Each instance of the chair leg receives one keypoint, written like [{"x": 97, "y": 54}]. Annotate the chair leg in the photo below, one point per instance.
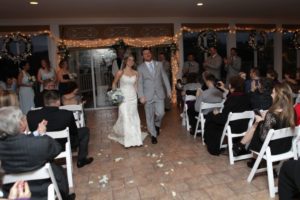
[
  {"x": 196, "y": 129},
  {"x": 202, "y": 131},
  {"x": 254, "y": 168},
  {"x": 231, "y": 158},
  {"x": 271, "y": 178}
]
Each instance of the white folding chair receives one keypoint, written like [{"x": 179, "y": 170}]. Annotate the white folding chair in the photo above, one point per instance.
[
  {"x": 77, "y": 112},
  {"x": 185, "y": 109},
  {"x": 227, "y": 132},
  {"x": 265, "y": 153},
  {"x": 44, "y": 172},
  {"x": 200, "y": 118},
  {"x": 67, "y": 154}
]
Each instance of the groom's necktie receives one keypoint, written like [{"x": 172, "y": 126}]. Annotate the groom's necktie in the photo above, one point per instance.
[{"x": 152, "y": 68}]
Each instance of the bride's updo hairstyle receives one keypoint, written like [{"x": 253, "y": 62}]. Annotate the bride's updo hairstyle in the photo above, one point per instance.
[{"x": 125, "y": 61}]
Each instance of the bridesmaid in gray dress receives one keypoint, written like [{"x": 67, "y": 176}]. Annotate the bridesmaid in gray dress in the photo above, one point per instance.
[{"x": 26, "y": 93}]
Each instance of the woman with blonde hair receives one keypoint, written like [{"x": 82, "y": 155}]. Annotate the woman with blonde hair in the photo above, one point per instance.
[{"x": 280, "y": 115}]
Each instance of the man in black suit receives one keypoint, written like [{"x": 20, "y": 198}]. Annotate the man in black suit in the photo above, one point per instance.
[
  {"x": 58, "y": 120},
  {"x": 289, "y": 180},
  {"x": 23, "y": 153},
  {"x": 38, "y": 97}
]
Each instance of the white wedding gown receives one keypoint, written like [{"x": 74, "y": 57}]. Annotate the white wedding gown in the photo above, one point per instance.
[{"x": 127, "y": 129}]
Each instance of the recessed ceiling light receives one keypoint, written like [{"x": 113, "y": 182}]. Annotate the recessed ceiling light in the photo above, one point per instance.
[
  {"x": 199, "y": 4},
  {"x": 34, "y": 3}
]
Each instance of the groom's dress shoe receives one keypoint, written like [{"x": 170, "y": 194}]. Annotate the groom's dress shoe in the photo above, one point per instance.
[
  {"x": 157, "y": 128},
  {"x": 84, "y": 162},
  {"x": 153, "y": 140}
]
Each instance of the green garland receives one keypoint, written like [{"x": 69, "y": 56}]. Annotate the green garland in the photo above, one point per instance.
[
  {"x": 63, "y": 51},
  {"x": 296, "y": 40},
  {"x": 18, "y": 38},
  {"x": 211, "y": 37},
  {"x": 260, "y": 43}
]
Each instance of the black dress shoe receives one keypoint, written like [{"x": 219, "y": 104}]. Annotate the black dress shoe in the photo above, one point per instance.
[
  {"x": 71, "y": 196},
  {"x": 84, "y": 162},
  {"x": 239, "y": 149},
  {"x": 153, "y": 140},
  {"x": 157, "y": 130}
]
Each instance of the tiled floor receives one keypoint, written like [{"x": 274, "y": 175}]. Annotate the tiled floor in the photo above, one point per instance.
[{"x": 178, "y": 167}]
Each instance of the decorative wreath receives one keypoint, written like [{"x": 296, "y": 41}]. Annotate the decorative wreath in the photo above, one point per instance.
[
  {"x": 18, "y": 38},
  {"x": 120, "y": 44},
  {"x": 173, "y": 47},
  {"x": 211, "y": 38},
  {"x": 63, "y": 51},
  {"x": 296, "y": 40},
  {"x": 259, "y": 42}
]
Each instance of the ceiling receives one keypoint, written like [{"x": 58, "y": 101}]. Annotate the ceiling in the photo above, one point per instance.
[{"x": 278, "y": 9}]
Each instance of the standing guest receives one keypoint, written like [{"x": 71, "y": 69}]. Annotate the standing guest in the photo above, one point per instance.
[
  {"x": 24, "y": 153},
  {"x": 167, "y": 67},
  {"x": 26, "y": 93},
  {"x": 8, "y": 98},
  {"x": 58, "y": 120},
  {"x": 237, "y": 101},
  {"x": 118, "y": 62},
  {"x": 63, "y": 76},
  {"x": 213, "y": 63},
  {"x": 45, "y": 73},
  {"x": 254, "y": 78},
  {"x": 190, "y": 66},
  {"x": 152, "y": 84},
  {"x": 280, "y": 115},
  {"x": 232, "y": 64}
]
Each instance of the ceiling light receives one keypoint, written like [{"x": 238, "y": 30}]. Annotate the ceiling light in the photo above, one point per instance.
[
  {"x": 34, "y": 2},
  {"x": 199, "y": 4}
]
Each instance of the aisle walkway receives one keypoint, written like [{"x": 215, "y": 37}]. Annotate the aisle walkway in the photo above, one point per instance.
[{"x": 178, "y": 167}]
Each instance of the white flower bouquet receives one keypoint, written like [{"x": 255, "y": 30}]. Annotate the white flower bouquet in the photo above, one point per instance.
[
  {"x": 32, "y": 79},
  {"x": 115, "y": 96}
]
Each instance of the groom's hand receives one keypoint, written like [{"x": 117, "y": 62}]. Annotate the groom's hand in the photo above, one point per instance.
[{"x": 143, "y": 100}]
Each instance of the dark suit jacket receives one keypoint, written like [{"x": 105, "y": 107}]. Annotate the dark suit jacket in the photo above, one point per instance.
[
  {"x": 23, "y": 153},
  {"x": 57, "y": 120}
]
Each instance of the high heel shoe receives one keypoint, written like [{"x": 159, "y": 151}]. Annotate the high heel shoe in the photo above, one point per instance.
[{"x": 239, "y": 149}]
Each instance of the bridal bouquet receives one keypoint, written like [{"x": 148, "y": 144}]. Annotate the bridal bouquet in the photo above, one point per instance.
[
  {"x": 32, "y": 79},
  {"x": 115, "y": 96}
]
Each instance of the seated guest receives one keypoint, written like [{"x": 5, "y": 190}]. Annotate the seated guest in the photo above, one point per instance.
[
  {"x": 210, "y": 95},
  {"x": 280, "y": 115},
  {"x": 23, "y": 153},
  {"x": 289, "y": 180},
  {"x": 237, "y": 101},
  {"x": 290, "y": 78},
  {"x": 273, "y": 75},
  {"x": 260, "y": 94},
  {"x": 9, "y": 84},
  {"x": 48, "y": 84},
  {"x": 190, "y": 90},
  {"x": 8, "y": 98},
  {"x": 58, "y": 120},
  {"x": 254, "y": 77},
  {"x": 71, "y": 96}
]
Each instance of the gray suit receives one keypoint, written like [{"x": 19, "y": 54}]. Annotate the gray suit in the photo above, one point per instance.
[
  {"x": 151, "y": 86},
  {"x": 213, "y": 65},
  {"x": 233, "y": 68}
]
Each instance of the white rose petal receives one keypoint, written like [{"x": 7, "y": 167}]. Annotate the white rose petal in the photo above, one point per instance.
[
  {"x": 179, "y": 163},
  {"x": 157, "y": 161},
  {"x": 160, "y": 165},
  {"x": 130, "y": 182},
  {"x": 118, "y": 159},
  {"x": 167, "y": 173},
  {"x": 91, "y": 182},
  {"x": 154, "y": 155},
  {"x": 172, "y": 170},
  {"x": 99, "y": 154},
  {"x": 162, "y": 184},
  {"x": 173, "y": 193}
]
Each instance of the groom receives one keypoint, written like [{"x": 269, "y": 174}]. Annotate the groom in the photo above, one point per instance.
[{"x": 151, "y": 86}]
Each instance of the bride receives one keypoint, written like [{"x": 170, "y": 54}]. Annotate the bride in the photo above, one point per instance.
[{"x": 127, "y": 129}]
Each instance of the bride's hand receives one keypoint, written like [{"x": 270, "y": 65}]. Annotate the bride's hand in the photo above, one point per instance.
[{"x": 143, "y": 100}]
